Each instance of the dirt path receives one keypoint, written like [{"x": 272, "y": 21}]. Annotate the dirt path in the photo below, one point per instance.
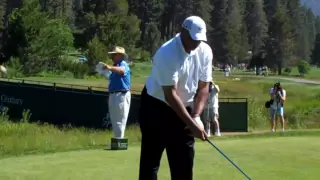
[{"x": 292, "y": 79}]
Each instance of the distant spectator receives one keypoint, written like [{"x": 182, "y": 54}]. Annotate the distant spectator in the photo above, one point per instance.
[
  {"x": 278, "y": 97},
  {"x": 211, "y": 112}
]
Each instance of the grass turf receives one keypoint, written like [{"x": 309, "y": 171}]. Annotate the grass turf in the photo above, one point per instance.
[{"x": 264, "y": 158}]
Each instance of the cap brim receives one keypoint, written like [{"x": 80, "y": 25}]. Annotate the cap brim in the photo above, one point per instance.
[
  {"x": 199, "y": 36},
  {"x": 124, "y": 54}
]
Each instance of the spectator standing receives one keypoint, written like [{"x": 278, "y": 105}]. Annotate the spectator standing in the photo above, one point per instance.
[
  {"x": 211, "y": 112},
  {"x": 119, "y": 93},
  {"x": 278, "y": 97}
]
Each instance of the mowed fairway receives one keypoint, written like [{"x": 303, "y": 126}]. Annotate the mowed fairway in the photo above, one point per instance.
[{"x": 283, "y": 158}]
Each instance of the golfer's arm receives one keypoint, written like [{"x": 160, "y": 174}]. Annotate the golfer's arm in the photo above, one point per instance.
[
  {"x": 175, "y": 103},
  {"x": 201, "y": 98}
]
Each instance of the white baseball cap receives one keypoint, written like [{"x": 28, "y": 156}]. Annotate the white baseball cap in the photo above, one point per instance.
[{"x": 196, "y": 27}]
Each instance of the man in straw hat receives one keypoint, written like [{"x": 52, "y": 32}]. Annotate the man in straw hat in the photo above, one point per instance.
[
  {"x": 169, "y": 113},
  {"x": 120, "y": 96}
]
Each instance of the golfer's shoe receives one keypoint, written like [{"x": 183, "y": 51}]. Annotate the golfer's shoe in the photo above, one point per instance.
[{"x": 217, "y": 134}]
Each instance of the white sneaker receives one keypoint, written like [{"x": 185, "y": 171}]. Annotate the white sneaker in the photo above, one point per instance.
[
  {"x": 209, "y": 135},
  {"x": 272, "y": 130},
  {"x": 217, "y": 134},
  {"x": 282, "y": 130}
]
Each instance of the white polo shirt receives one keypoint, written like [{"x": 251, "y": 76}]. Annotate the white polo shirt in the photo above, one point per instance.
[{"x": 173, "y": 66}]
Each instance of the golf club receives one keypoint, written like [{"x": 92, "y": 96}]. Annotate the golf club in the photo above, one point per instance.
[{"x": 210, "y": 142}]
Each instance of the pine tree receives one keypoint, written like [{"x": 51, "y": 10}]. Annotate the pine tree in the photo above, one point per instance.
[
  {"x": 257, "y": 25},
  {"x": 219, "y": 30},
  {"x": 279, "y": 44},
  {"x": 315, "y": 56},
  {"x": 149, "y": 12},
  {"x": 233, "y": 28},
  {"x": 303, "y": 45},
  {"x": 317, "y": 24},
  {"x": 3, "y": 8},
  {"x": 311, "y": 25}
]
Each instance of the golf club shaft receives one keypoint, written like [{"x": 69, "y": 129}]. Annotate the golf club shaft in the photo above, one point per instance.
[{"x": 208, "y": 140}]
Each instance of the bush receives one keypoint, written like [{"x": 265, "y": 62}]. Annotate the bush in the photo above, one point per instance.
[
  {"x": 145, "y": 56},
  {"x": 67, "y": 74},
  {"x": 96, "y": 52},
  {"x": 14, "y": 69},
  {"x": 288, "y": 70},
  {"x": 303, "y": 67},
  {"x": 80, "y": 70}
]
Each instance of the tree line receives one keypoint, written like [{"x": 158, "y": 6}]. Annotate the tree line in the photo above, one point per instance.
[{"x": 38, "y": 35}]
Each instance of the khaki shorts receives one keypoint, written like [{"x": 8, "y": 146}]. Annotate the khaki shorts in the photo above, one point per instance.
[{"x": 210, "y": 114}]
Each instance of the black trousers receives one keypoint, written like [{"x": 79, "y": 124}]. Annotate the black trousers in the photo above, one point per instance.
[{"x": 162, "y": 129}]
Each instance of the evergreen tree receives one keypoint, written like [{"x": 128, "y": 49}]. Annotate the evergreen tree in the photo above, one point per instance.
[
  {"x": 219, "y": 30},
  {"x": 3, "y": 8},
  {"x": 317, "y": 24},
  {"x": 257, "y": 25},
  {"x": 315, "y": 56},
  {"x": 279, "y": 44},
  {"x": 311, "y": 25},
  {"x": 233, "y": 28}
]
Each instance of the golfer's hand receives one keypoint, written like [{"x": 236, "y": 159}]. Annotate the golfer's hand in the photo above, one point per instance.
[{"x": 198, "y": 132}]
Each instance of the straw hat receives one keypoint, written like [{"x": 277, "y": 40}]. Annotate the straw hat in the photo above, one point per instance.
[{"x": 118, "y": 50}]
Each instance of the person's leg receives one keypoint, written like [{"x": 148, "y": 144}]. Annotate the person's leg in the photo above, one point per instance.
[
  {"x": 118, "y": 117},
  {"x": 113, "y": 114},
  {"x": 272, "y": 119},
  {"x": 124, "y": 108},
  {"x": 281, "y": 118},
  {"x": 180, "y": 149},
  {"x": 152, "y": 144},
  {"x": 216, "y": 122},
  {"x": 206, "y": 120},
  {"x": 150, "y": 155}
]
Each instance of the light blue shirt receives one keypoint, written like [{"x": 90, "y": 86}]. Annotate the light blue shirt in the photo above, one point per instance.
[{"x": 120, "y": 82}]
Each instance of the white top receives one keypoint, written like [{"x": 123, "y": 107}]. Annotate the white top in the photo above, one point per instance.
[
  {"x": 213, "y": 101},
  {"x": 275, "y": 105},
  {"x": 173, "y": 66}
]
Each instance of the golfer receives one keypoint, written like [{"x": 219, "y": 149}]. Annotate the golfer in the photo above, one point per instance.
[
  {"x": 119, "y": 89},
  {"x": 181, "y": 67},
  {"x": 211, "y": 111}
]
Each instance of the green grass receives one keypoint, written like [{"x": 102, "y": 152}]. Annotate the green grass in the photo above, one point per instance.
[
  {"x": 314, "y": 73},
  {"x": 31, "y": 151},
  {"x": 283, "y": 158}
]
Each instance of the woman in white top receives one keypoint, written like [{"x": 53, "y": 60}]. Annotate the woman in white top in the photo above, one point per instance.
[{"x": 278, "y": 96}]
